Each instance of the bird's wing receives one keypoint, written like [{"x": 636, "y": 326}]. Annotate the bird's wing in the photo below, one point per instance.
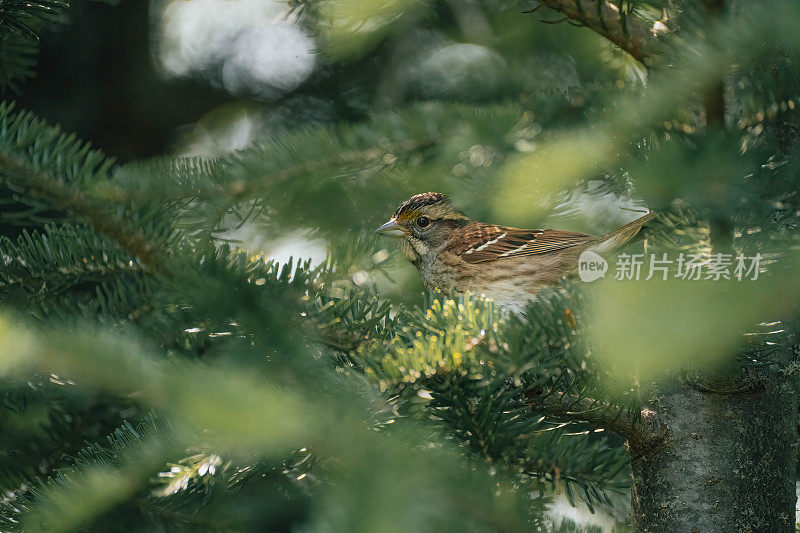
[{"x": 485, "y": 242}]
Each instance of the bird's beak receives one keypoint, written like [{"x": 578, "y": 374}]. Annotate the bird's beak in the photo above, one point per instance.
[{"x": 391, "y": 229}]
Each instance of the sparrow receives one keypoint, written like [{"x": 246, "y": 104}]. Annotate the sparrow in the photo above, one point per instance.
[{"x": 509, "y": 265}]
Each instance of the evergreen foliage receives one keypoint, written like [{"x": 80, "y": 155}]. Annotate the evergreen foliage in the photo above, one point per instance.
[
  {"x": 157, "y": 374},
  {"x": 20, "y": 23}
]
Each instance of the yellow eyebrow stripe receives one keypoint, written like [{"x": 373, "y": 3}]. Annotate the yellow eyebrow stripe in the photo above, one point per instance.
[{"x": 407, "y": 215}]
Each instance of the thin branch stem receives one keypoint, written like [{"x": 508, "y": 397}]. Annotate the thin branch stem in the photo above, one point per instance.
[
  {"x": 43, "y": 185},
  {"x": 607, "y": 20},
  {"x": 598, "y": 414}
]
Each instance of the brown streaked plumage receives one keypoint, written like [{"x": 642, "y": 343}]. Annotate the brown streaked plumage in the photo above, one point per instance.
[{"x": 510, "y": 265}]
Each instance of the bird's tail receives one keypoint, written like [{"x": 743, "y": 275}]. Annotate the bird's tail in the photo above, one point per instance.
[{"x": 624, "y": 235}]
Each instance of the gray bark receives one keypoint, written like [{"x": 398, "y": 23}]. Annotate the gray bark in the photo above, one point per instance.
[{"x": 723, "y": 458}]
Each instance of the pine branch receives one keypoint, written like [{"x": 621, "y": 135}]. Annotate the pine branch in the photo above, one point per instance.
[
  {"x": 38, "y": 450},
  {"x": 219, "y": 403},
  {"x": 598, "y": 414},
  {"x": 21, "y": 15},
  {"x": 67, "y": 269},
  {"x": 44, "y": 186},
  {"x": 342, "y": 162},
  {"x": 52, "y": 166},
  {"x": 20, "y": 22},
  {"x": 606, "y": 19},
  {"x": 105, "y": 475},
  {"x": 584, "y": 464}
]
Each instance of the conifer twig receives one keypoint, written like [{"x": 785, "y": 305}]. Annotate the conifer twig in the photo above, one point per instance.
[
  {"x": 46, "y": 187},
  {"x": 639, "y": 428},
  {"x": 605, "y": 19}
]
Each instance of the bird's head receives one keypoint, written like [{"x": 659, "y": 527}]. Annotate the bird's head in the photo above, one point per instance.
[{"x": 425, "y": 221}]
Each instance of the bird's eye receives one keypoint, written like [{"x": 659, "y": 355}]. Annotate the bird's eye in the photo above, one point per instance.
[{"x": 423, "y": 221}]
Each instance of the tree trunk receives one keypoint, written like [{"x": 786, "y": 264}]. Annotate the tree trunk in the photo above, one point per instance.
[{"x": 724, "y": 460}]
